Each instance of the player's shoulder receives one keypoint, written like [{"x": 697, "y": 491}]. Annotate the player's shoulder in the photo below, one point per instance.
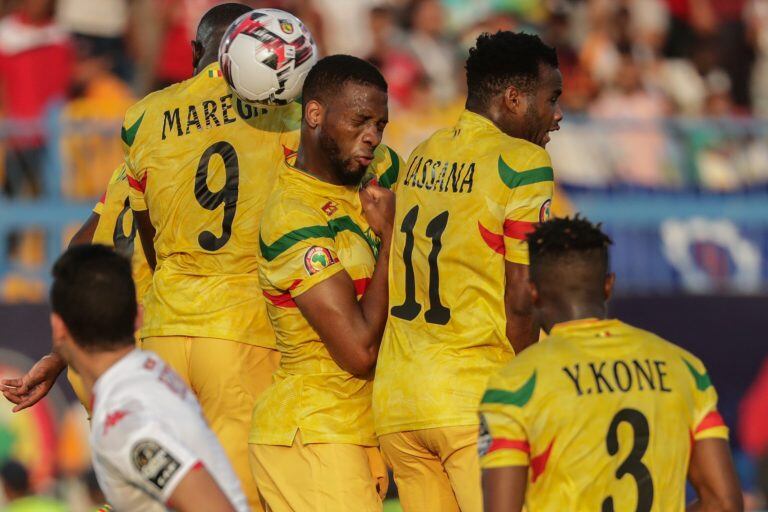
[
  {"x": 290, "y": 209},
  {"x": 520, "y": 162},
  {"x": 523, "y": 369}
]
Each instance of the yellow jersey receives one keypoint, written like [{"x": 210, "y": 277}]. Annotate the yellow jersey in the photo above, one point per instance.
[
  {"x": 465, "y": 201},
  {"x": 203, "y": 163},
  {"x": 310, "y": 231},
  {"x": 117, "y": 229},
  {"x": 604, "y": 415}
]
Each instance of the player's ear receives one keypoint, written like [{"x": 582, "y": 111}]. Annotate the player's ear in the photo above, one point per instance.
[
  {"x": 197, "y": 53},
  {"x": 610, "y": 280},
  {"x": 513, "y": 98},
  {"x": 313, "y": 113},
  {"x": 59, "y": 331}
]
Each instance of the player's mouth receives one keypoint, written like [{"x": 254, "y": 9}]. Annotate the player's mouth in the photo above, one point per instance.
[{"x": 365, "y": 161}]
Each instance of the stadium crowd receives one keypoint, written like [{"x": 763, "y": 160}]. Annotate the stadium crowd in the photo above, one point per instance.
[{"x": 666, "y": 93}]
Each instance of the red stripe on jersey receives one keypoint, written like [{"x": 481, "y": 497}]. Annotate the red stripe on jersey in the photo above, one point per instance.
[
  {"x": 711, "y": 420},
  {"x": 491, "y": 239},
  {"x": 198, "y": 465},
  {"x": 283, "y": 300},
  {"x": 138, "y": 185},
  {"x": 103, "y": 197},
  {"x": 509, "y": 444},
  {"x": 518, "y": 229},
  {"x": 539, "y": 462},
  {"x": 361, "y": 285}
]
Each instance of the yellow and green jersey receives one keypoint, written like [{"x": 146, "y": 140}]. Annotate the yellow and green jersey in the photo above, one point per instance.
[
  {"x": 603, "y": 414},
  {"x": 465, "y": 202},
  {"x": 117, "y": 229},
  {"x": 310, "y": 231}
]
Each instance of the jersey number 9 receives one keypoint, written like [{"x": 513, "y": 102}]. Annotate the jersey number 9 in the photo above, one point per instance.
[{"x": 227, "y": 195}]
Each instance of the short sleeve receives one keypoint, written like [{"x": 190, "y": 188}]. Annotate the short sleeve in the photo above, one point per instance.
[
  {"x": 707, "y": 421},
  {"x": 298, "y": 259},
  {"x": 504, "y": 439},
  {"x": 386, "y": 166},
  {"x": 529, "y": 202},
  {"x": 137, "y": 176},
  {"x": 98, "y": 208},
  {"x": 117, "y": 175},
  {"x": 144, "y": 453}
]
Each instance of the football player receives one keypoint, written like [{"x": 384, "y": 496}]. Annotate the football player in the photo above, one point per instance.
[
  {"x": 201, "y": 164},
  {"x": 324, "y": 252},
  {"x": 601, "y": 415},
  {"x": 151, "y": 447},
  {"x": 459, "y": 306}
]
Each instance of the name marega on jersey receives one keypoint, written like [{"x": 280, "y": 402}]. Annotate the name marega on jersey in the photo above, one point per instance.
[
  {"x": 440, "y": 175},
  {"x": 208, "y": 114}
]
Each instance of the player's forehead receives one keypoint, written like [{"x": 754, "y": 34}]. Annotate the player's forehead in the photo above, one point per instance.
[
  {"x": 361, "y": 99},
  {"x": 550, "y": 78}
]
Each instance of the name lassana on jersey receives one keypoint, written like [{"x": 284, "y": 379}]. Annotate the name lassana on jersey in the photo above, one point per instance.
[
  {"x": 440, "y": 175},
  {"x": 208, "y": 114}
]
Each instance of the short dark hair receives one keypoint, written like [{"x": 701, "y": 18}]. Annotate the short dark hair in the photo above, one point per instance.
[
  {"x": 329, "y": 75},
  {"x": 569, "y": 254},
  {"x": 216, "y": 20},
  {"x": 15, "y": 477},
  {"x": 94, "y": 294},
  {"x": 503, "y": 59}
]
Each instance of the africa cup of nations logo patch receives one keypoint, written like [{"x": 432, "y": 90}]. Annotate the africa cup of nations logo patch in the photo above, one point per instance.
[
  {"x": 545, "y": 211},
  {"x": 317, "y": 258}
]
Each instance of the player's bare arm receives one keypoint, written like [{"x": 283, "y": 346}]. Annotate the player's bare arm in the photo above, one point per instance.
[
  {"x": 352, "y": 330},
  {"x": 84, "y": 235},
  {"x": 504, "y": 488},
  {"x": 522, "y": 330},
  {"x": 147, "y": 235},
  {"x": 199, "y": 492},
  {"x": 712, "y": 474},
  {"x": 27, "y": 390}
]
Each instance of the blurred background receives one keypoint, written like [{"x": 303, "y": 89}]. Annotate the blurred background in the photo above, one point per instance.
[{"x": 665, "y": 140}]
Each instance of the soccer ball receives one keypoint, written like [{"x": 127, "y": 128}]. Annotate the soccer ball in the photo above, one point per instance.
[{"x": 265, "y": 56}]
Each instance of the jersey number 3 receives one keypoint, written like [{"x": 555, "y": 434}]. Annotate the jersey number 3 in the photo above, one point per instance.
[
  {"x": 633, "y": 464},
  {"x": 227, "y": 195},
  {"x": 409, "y": 309}
]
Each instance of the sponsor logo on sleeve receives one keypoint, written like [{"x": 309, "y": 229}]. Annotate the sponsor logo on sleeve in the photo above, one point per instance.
[
  {"x": 154, "y": 463},
  {"x": 318, "y": 258}
]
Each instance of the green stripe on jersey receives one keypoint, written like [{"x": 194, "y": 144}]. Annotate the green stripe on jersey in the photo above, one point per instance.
[
  {"x": 330, "y": 230},
  {"x": 519, "y": 397},
  {"x": 513, "y": 178},
  {"x": 390, "y": 175},
  {"x": 702, "y": 379}
]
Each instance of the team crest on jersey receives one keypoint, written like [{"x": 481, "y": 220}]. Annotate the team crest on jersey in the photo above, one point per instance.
[
  {"x": 484, "y": 439},
  {"x": 154, "y": 463},
  {"x": 286, "y": 26},
  {"x": 545, "y": 211},
  {"x": 317, "y": 258},
  {"x": 330, "y": 208}
]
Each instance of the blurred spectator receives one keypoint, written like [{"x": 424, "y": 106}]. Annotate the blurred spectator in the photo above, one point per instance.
[
  {"x": 102, "y": 24},
  {"x": 344, "y": 27},
  {"x": 98, "y": 99},
  {"x": 402, "y": 70},
  {"x": 18, "y": 492},
  {"x": 35, "y": 68},
  {"x": 635, "y": 136},
  {"x": 438, "y": 55}
]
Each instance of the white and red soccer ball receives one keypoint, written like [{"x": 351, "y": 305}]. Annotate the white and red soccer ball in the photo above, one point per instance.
[{"x": 265, "y": 56}]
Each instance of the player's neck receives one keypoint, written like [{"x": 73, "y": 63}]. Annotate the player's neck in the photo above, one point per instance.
[
  {"x": 495, "y": 115},
  {"x": 312, "y": 160},
  {"x": 572, "y": 312},
  {"x": 91, "y": 366},
  {"x": 206, "y": 60}
]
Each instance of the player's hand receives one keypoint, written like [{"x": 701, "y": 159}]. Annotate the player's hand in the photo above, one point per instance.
[
  {"x": 379, "y": 209},
  {"x": 27, "y": 390}
]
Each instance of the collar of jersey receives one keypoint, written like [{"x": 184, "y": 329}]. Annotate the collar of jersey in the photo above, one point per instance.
[
  {"x": 471, "y": 118},
  {"x": 213, "y": 66},
  {"x": 317, "y": 185},
  {"x": 584, "y": 324},
  {"x": 103, "y": 383}
]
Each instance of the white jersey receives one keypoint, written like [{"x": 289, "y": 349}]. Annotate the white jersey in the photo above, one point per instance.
[{"x": 148, "y": 432}]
